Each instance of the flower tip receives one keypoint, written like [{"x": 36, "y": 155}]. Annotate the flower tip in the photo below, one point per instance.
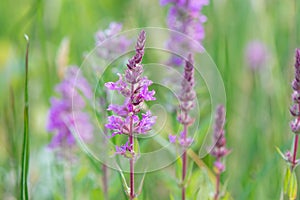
[
  {"x": 297, "y": 56},
  {"x": 109, "y": 85},
  {"x": 297, "y": 51},
  {"x": 142, "y": 35},
  {"x": 190, "y": 58}
]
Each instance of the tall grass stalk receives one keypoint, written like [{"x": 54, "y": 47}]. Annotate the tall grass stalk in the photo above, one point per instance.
[{"x": 25, "y": 147}]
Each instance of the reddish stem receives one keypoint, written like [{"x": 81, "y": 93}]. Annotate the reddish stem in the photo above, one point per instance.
[
  {"x": 295, "y": 150},
  {"x": 184, "y": 164},
  {"x": 131, "y": 143},
  {"x": 296, "y": 141}
]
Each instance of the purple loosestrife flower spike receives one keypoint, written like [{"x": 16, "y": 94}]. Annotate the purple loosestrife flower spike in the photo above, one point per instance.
[
  {"x": 187, "y": 96},
  {"x": 295, "y": 124},
  {"x": 134, "y": 87},
  {"x": 219, "y": 149},
  {"x": 294, "y": 110},
  {"x": 67, "y": 112},
  {"x": 185, "y": 16}
]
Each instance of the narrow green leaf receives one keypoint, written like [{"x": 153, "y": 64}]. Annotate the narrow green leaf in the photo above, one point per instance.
[
  {"x": 124, "y": 183},
  {"x": 189, "y": 172},
  {"x": 25, "y": 147},
  {"x": 286, "y": 180},
  {"x": 206, "y": 187},
  {"x": 280, "y": 153},
  {"x": 293, "y": 187},
  {"x": 290, "y": 184},
  {"x": 141, "y": 184}
]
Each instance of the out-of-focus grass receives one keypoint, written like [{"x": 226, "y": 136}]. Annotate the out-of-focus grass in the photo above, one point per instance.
[{"x": 257, "y": 102}]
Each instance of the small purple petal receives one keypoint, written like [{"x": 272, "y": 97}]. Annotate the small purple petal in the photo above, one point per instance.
[
  {"x": 220, "y": 167},
  {"x": 172, "y": 138},
  {"x": 146, "y": 123}
]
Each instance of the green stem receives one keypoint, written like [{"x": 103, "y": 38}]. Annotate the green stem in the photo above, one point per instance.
[{"x": 25, "y": 147}]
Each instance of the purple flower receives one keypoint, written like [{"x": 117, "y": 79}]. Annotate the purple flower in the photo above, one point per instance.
[
  {"x": 135, "y": 88},
  {"x": 219, "y": 166},
  {"x": 182, "y": 140},
  {"x": 187, "y": 94},
  {"x": 186, "y": 97},
  {"x": 121, "y": 110},
  {"x": 256, "y": 54},
  {"x": 185, "y": 141},
  {"x": 295, "y": 124},
  {"x": 185, "y": 16},
  {"x": 146, "y": 123},
  {"x": 119, "y": 85},
  {"x": 111, "y": 48},
  {"x": 66, "y": 114},
  {"x": 124, "y": 150},
  {"x": 289, "y": 157},
  {"x": 172, "y": 138},
  {"x": 116, "y": 123},
  {"x": 219, "y": 149}
]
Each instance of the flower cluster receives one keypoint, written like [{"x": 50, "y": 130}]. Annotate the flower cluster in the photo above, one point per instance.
[
  {"x": 108, "y": 50},
  {"x": 186, "y": 97},
  {"x": 185, "y": 17},
  {"x": 134, "y": 87},
  {"x": 295, "y": 109},
  {"x": 67, "y": 114},
  {"x": 219, "y": 150}
]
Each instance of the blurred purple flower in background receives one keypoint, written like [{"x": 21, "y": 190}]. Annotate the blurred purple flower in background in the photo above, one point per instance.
[
  {"x": 256, "y": 54},
  {"x": 111, "y": 48},
  {"x": 219, "y": 149},
  {"x": 185, "y": 17},
  {"x": 67, "y": 114},
  {"x": 187, "y": 96}
]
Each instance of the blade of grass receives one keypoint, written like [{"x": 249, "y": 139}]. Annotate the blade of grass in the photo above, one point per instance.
[
  {"x": 25, "y": 147},
  {"x": 13, "y": 140}
]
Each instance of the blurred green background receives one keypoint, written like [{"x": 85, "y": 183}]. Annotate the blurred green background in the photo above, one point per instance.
[{"x": 257, "y": 100}]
